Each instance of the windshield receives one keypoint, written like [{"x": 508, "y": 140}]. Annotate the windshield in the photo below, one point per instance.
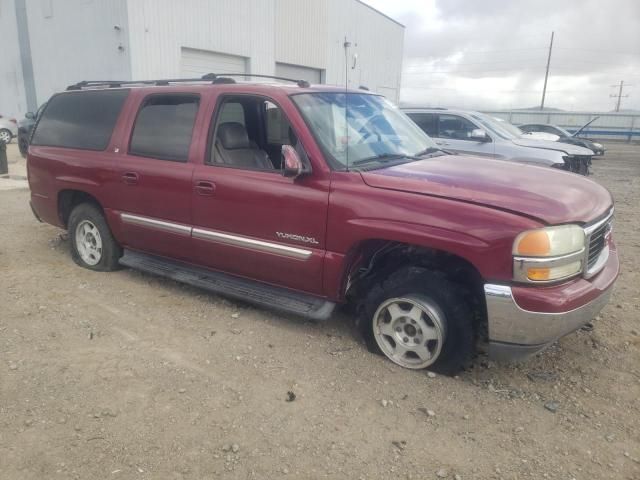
[
  {"x": 370, "y": 131},
  {"x": 497, "y": 127},
  {"x": 564, "y": 132},
  {"x": 509, "y": 127}
]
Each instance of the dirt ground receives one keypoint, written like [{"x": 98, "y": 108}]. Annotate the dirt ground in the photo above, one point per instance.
[{"x": 127, "y": 376}]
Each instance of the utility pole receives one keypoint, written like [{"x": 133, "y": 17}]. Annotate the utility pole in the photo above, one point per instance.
[
  {"x": 619, "y": 96},
  {"x": 546, "y": 74}
]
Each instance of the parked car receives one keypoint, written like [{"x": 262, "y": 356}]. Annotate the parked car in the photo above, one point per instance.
[
  {"x": 565, "y": 136},
  {"x": 475, "y": 133},
  {"x": 520, "y": 133},
  {"x": 8, "y": 129},
  {"x": 25, "y": 126},
  {"x": 299, "y": 198}
]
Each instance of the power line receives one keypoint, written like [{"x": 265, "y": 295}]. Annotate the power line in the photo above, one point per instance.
[{"x": 619, "y": 96}]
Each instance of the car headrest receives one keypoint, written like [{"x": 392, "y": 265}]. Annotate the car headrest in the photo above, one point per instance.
[{"x": 232, "y": 135}]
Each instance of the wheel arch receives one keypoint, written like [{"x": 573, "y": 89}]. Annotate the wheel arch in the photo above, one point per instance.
[
  {"x": 68, "y": 199},
  {"x": 372, "y": 258}
]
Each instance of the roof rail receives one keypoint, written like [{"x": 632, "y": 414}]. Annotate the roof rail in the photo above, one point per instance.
[{"x": 209, "y": 77}]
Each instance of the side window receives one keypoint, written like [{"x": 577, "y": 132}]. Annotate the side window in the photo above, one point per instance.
[
  {"x": 277, "y": 125},
  {"x": 426, "y": 121},
  {"x": 454, "y": 127},
  {"x": 164, "y": 126},
  {"x": 527, "y": 128},
  {"x": 249, "y": 132},
  {"x": 232, "y": 112},
  {"x": 82, "y": 120}
]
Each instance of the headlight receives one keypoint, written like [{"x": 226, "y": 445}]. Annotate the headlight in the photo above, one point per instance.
[
  {"x": 597, "y": 145},
  {"x": 548, "y": 254}
]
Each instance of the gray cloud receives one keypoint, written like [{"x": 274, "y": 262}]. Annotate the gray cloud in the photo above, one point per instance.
[{"x": 493, "y": 53}]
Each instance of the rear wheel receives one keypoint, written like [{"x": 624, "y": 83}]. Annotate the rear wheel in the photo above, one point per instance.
[
  {"x": 419, "y": 319},
  {"x": 92, "y": 244}
]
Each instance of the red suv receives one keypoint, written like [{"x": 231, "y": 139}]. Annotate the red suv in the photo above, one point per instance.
[{"x": 300, "y": 198}]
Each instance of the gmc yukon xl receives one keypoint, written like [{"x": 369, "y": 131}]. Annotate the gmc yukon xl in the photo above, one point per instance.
[{"x": 299, "y": 198}]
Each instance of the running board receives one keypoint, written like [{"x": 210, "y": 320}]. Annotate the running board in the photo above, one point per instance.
[{"x": 269, "y": 296}]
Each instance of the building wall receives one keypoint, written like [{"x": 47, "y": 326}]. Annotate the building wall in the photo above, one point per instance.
[
  {"x": 12, "y": 94},
  {"x": 75, "y": 40},
  {"x": 159, "y": 28},
  {"x": 378, "y": 42},
  {"x": 306, "y": 33}
]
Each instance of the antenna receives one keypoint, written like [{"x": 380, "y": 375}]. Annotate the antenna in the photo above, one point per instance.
[{"x": 347, "y": 44}]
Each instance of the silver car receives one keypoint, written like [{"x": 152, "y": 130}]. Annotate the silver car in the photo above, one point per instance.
[
  {"x": 8, "y": 129},
  {"x": 478, "y": 134}
]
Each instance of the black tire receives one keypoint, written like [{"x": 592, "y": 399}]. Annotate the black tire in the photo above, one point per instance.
[
  {"x": 23, "y": 146},
  {"x": 450, "y": 298},
  {"x": 110, "y": 251},
  {"x": 6, "y": 133}
]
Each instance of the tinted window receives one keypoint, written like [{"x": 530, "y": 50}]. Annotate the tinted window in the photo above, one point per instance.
[
  {"x": 426, "y": 121},
  {"x": 454, "y": 127},
  {"x": 83, "y": 120},
  {"x": 164, "y": 127}
]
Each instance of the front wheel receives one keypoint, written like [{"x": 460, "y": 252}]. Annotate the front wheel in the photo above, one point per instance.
[
  {"x": 92, "y": 244},
  {"x": 419, "y": 319},
  {"x": 5, "y": 136}
]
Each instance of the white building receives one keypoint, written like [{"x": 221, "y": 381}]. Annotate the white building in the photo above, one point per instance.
[{"x": 50, "y": 44}]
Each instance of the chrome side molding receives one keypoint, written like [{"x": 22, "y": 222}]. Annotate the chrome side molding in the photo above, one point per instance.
[
  {"x": 217, "y": 237},
  {"x": 251, "y": 243},
  {"x": 157, "y": 224}
]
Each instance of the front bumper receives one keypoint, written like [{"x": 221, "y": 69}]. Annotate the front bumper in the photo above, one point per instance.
[{"x": 524, "y": 320}]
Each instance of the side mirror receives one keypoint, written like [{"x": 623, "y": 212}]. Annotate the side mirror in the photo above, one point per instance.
[
  {"x": 30, "y": 115},
  {"x": 292, "y": 165},
  {"x": 479, "y": 135}
]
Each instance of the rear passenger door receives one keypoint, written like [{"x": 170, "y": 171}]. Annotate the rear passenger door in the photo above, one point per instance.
[{"x": 151, "y": 184}]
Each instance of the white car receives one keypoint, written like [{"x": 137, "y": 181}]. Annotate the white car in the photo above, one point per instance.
[
  {"x": 8, "y": 129},
  {"x": 550, "y": 137}
]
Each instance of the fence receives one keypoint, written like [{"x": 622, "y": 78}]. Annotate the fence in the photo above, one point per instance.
[{"x": 616, "y": 126}]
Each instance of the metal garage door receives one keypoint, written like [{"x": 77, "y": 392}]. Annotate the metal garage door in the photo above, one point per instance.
[
  {"x": 311, "y": 75},
  {"x": 195, "y": 63}
]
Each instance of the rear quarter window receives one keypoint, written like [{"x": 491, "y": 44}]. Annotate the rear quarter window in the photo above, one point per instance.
[{"x": 82, "y": 120}]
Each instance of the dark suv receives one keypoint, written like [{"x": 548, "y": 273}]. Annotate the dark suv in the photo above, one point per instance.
[{"x": 299, "y": 198}]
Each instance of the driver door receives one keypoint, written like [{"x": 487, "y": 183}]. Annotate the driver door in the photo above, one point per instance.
[
  {"x": 453, "y": 135},
  {"x": 253, "y": 221}
]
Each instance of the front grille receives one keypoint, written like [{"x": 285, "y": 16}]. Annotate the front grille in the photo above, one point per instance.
[
  {"x": 596, "y": 244},
  {"x": 597, "y": 240},
  {"x": 578, "y": 164}
]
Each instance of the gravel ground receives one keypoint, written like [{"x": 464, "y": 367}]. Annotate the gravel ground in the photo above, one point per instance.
[{"x": 123, "y": 375}]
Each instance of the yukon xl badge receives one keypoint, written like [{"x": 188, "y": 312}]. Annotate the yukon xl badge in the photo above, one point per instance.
[{"x": 297, "y": 238}]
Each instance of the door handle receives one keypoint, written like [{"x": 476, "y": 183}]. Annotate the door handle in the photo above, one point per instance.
[
  {"x": 442, "y": 143},
  {"x": 130, "y": 178},
  {"x": 203, "y": 187}
]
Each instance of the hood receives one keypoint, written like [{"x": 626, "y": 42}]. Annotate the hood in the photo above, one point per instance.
[
  {"x": 547, "y": 145},
  {"x": 541, "y": 136},
  {"x": 546, "y": 194},
  {"x": 577, "y": 132}
]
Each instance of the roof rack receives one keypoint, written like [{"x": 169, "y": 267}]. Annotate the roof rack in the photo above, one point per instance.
[{"x": 209, "y": 77}]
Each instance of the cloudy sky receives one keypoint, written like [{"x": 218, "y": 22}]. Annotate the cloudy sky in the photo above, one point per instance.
[{"x": 493, "y": 53}]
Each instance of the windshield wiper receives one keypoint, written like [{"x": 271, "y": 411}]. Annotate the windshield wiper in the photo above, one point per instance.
[
  {"x": 382, "y": 157},
  {"x": 385, "y": 157},
  {"x": 428, "y": 151}
]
